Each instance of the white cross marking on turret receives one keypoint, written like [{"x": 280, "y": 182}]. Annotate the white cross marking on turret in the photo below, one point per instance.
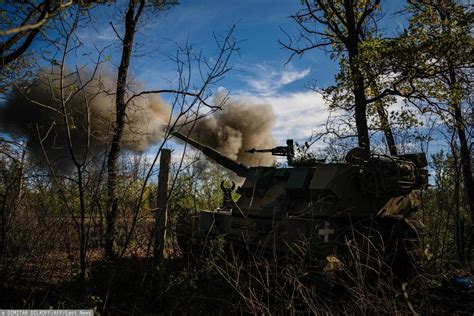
[{"x": 326, "y": 231}]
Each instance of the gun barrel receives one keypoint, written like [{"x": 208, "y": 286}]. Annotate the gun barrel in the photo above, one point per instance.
[
  {"x": 237, "y": 167},
  {"x": 253, "y": 151}
]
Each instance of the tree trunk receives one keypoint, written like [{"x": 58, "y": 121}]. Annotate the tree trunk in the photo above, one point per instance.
[
  {"x": 82, "y": 231},
  {"x": 161, "y": 215},
  {"x": 465, "y": 160},
  {"x": 387, "y": 129},
  {"x": 463, "y": 150},
  {"x": 131, "y": 19},
  {"x": 361, "y": 119},
  {"x": 357, "y": 78}
]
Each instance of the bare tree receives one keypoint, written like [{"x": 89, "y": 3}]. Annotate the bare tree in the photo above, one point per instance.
[
  {"x": 65, "y": 95},
  {"x": 191, "y": 99},
  {"x": 12, "y": 165},
  {"x": 21, "y": 24}
]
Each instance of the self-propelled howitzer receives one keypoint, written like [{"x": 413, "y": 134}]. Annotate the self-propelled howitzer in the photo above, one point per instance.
[{"x": 316, "y": 204}]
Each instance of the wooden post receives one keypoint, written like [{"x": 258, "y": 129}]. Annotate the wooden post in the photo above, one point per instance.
[{"x": 161, "y": 214}]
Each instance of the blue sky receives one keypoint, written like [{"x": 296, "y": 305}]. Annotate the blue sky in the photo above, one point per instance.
[{"x": 260, "y": 69}]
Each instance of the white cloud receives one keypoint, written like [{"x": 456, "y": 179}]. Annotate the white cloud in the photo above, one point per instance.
[
  {"x": 290, "y": 76},
  {"x": 101, "y": 34},
  {"x": 267, "y": 81},
  {"x": 298, "y": 113}
]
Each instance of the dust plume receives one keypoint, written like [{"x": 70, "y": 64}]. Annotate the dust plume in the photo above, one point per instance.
[
  {"x": 241, "y": 125},
  {"x": 35, "y": 111}
]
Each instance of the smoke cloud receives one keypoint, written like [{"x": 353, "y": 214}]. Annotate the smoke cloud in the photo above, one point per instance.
[
  {"x": 35, "y": 111},
  {"x": 241, "y": 125}
]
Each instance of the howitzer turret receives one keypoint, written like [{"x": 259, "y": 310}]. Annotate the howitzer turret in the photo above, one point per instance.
[
  {"x": 318, "y": 204},
  {"x": 239, "y": 168}
]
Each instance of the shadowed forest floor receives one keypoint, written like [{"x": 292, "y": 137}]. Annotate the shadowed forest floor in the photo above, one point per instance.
[{"x": 127, "y": 287}]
